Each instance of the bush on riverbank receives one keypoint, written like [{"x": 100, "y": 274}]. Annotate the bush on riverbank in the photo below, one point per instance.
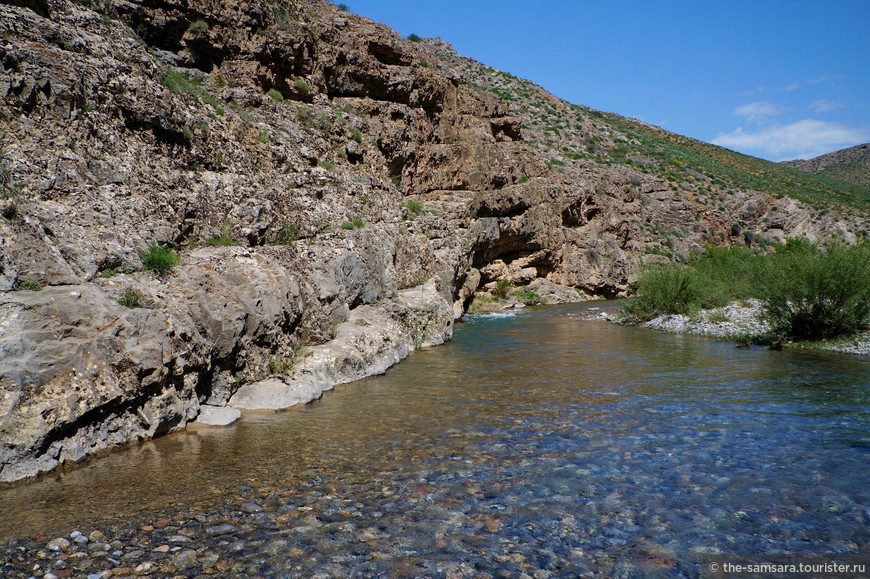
[
  {"x": 807, "y": 292},
  {"x": 811, "y": 293},
  {"x": 679, "y": 289}
]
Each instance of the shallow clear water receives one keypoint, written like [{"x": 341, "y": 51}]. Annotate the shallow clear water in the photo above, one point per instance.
[{"x": 534, "y": 439}]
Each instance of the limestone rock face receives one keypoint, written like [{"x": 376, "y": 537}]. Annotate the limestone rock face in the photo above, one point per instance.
[
  {"x": 336, "y": 195},
  {"x": 370, "y": 341}
]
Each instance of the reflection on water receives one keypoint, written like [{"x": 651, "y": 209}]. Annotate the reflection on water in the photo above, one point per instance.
[{"x": 579, "y": 435}]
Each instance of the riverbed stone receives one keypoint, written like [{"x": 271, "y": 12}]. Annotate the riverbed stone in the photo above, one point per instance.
[
  {"x": 185, "y": 559},
  {"x": 59, "y": 544}
]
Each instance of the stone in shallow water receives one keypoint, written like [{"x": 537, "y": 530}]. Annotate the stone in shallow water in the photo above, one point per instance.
[
  {"x": 220, "y": 529},
  {"x": 274, "y": 394},
  {"x": 252, "y": 507},
  {"x": 59, "y": 544},
  {"x": 217, "y": 415},
  {"x": 185, "y": 559}
]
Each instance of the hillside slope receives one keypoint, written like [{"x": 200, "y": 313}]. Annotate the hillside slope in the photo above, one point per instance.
[
  {"x": 329, "y": 187},
  {"x": 851, "y": 165}
]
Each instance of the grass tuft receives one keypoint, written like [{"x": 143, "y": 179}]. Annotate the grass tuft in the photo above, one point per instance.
[{"x": 159, "y": 259}]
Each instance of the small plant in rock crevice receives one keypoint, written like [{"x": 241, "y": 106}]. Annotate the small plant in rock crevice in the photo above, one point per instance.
[
  {"x": 131, "y": 299},
  {"x": 528, "y": 297},
  {"x": 301, "y": 87},
  {"x": 355, "y": 223},
  {"x": 414, "y": 206},
  {"x": 198, "y": 27},
  {"x": 159, "y": 259},
  {"x": 29, "y": 285},
  {"x": 287, "y": 234},
  {"x": 223, "y": 240},
  {"x": 502, "y": 288}
]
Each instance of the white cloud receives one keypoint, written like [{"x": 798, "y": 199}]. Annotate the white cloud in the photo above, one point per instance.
[
  {"x": 758, "y": 111},
  {"x": 799, "y": 140},
  {"x": 825, "y": 106}
]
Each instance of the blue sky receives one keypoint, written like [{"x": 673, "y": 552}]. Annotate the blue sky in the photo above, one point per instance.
[{"x": 771, "y": 78}]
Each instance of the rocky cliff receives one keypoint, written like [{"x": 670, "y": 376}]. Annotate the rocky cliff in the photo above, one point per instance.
[{"x": 337, "y": 196}]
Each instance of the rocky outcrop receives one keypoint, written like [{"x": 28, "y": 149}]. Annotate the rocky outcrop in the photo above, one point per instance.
[
  {"x": 337, "y": 196},
  {"x": 368, "y": 343},
  {"x": 850, "y": 165}
]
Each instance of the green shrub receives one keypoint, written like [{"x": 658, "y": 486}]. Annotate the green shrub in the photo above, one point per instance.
[
  {"x": 414, "y": 38},
  {"x": 180, "y": 82},
  {"x": 288, "y": 234},
  {"x": 812, "y": 293},
  {"x": 734, "y": 272},
  {"x": 184, "y": 83},
  {"x": 275, "y": 95},
  {"x": 202, "y": 126},
  {"x": 355, "y": 223},
  {"x": 222, "y": 240},
  {"x": 502, "y": 288},
  {"x": 356, "y": 134},
  {"x": 29, "y": 285},
  {"x": 264, "y": 137},
  {"x": 198, "y": 27},
  {"x": 414, "y": 207},
  {"x": 528, "y": 297},
  {"x": 343, "y": 7},
  {"x": 130, "y": 299},
  {"x": 159, "y": 259},
  {"x": 677, "y": 289},
  {"x": 328, "y": 165},
  {"x": 301, "y": 86}
]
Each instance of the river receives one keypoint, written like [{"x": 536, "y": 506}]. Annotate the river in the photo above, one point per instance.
[{"x": 534, "y": 442}]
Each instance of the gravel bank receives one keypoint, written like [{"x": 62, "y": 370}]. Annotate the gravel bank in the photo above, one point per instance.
[{"x": 739, "y": 321}]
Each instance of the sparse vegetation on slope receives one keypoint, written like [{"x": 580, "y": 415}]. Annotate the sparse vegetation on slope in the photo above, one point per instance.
[
  {"x": 576, "y": 133},
  {"x": 850, "y": 165},
  {"x": 687, "y": 161}
]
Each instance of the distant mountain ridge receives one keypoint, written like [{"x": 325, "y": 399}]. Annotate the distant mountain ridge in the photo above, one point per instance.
[{"x": 851, "y": 165}]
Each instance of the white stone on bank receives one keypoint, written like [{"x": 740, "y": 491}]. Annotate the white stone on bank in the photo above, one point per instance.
[{"x": 217, "y": 416}]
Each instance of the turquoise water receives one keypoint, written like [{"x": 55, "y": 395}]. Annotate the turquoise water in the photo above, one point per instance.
[{"x": 535, "y": 440}]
